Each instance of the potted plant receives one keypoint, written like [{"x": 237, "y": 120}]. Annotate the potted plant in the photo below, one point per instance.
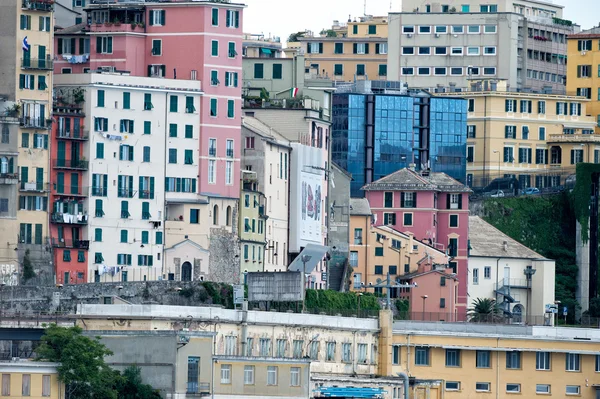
[
  {"x": 107, "y": 23},
  {"x": 141, "y": 24},
  {"x": 116, "y": 22},
  {"x": 14, "y": 110},
  {"x": 78, "y": 95},
  {"x": 133, "y": 26}
]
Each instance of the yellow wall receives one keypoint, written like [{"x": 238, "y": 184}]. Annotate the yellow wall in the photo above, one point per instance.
[
  {"x": 16, "y": 385},
  {"x": 490, "y": 118},
  {"x": 498, "y": 375},
  {"x": 381, "y": 28},
  {"x": 577, "y": 58}
]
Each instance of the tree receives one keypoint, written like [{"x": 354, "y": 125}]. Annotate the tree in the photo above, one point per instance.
[
  {"x": 83, "y": 369},
  {"x": 328, "y": 33},
  {"x": 295, "y": 36},
  {"x": 28, "y": 272},
  {"x": 594, "y": 309},
  {"x": 484, "y": 310}
]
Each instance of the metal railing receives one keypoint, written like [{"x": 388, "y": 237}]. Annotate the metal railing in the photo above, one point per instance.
[
  {"x": 37, "y": 63},
  {"x": 69, "y": 243},
  {"x": 511, "y": 283},
  {"x": 70, "y": 164},
  {"x": 38, "y": 5},
  {"x": 69, "y": 218},
  {"x": 72, "y": 135},
  {"x": 99, "y": 191},
  {"x": 33, "y": 186},
  {"x": 9, "y": 178},
  {"x": 70, "y": 191},
  {"x": 198, "y": 388},
  {"x": 36, "y": 123}
]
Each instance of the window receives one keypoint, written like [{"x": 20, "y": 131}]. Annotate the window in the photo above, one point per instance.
[
  {"x": 230, "y": 108},
  {"x": 157, "y": 17},
  {"x": 572, "y": 362},
  {"x": 513, "y": 360},
  {"x": 542, "y": 361},
  {"x": 357, "y": 236},
  {"x": 453, "y": 220},
  {"x": 421, "y": 356},
  {"x": 475, "y": 276},
  {"x": 482, "y": 386},
  {"x": 378, "y": 269},
  {"x": 408, "y": 50},
  {"x": 487, "y": 272},
  {"x": 372, "y": 29},
  {"x": 5, "y": 384},
  {"x": 473, "y": 29},
  {"x": 456, "y": 50},
  {"x": 472, "y": 50},
  {"x": 124, "y": 259},
  {"x": 338, "y": 48},
  {"x": 452, "y": 357},
  {"x": 489, "y": 29},
  {"x": 513, "y": 388},
  {"x": 379, "y": 251},
  {"x": 576, "y": 156},
  {"x": 233, "y": 19},
  {"x": 452, "y": 385},
  {"x": 226, "y": 374},
  {"x": 330, "y": 354},
  {"x": 395, "y": 354},
  {"x": 295, "y": 376},
  {"x": 439, "y": 71},
  {"x": 265, "y": 347},
  {"x": 408, "y": 29},
  {"x": 248, "y": 375},
  {"x": 213, "y": 107},
  {"x": 25, "y": 22},
  {"x": 573, "y": 390},
  {"x": 542, "y": 388},
  {"x": 382, "y": 70},
  {"x": 409, "y": 71},
  {"x": 388, "y": 199},
  {"x": 104, "y": 44},
  {"x": 441, "y": 50},
  {"x": 407, "y": 219},
  {"x": 338, "y": 69},
  {"x": 441, "y": 29},
  {"x": 482, "y": 359},
  {"x": 424, "y": 29},
  {"x": 458, "y": 29},
  {"x": 489, "y": 50},
  {"x": 26, "y": 385},
  {"x": 360, "y": 69},
  {"x": 156, "y": 47},
  {"x": 346, "y": 352},
  {"x": 215, "y": 17},
  {"x": 271, "y": 375},
  {"x": 381, "y": 48},
  {"x": 126, "y": 126},
  {"x": 424, "y": 50}
]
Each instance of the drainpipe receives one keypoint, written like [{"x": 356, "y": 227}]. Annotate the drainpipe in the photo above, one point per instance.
[{"x": 404, "y": 377}]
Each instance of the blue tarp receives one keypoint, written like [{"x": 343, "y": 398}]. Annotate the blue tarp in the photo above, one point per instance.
[{"x": 349, "y": 392}]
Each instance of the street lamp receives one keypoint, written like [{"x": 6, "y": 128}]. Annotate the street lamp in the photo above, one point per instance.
[
  {"x": 305, "y": 259},
  {"x": 498, "y": 152},
  {"x": 360, "y": 294},
  {"x": 424, "y": 299}
]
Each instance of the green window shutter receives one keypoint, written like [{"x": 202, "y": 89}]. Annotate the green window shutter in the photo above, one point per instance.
[
  {"x": 109, "y": 45},
  {"x": 178, "y": 185},
  {"x": 145, "y": 210},
  {"x": 141, "y": 182},
  {"x": 45, "y": 141},
  {"x": 258, "y": 71},
  {"x": 189, "y": 131},
  {"x": 230, "y": 108},
  {"x": 215, "y": 48},
  {"x": 98, "y": 235},
  {"x": 338, "y": 69},
  {"x": 193, "y": 185},
  {"x": 42, "y": 83},
  {"x": 80, "y": 256},
  {"x": 189, "y": 157},
  {"x": 355, "y": 29},
  {"x": 355, "y": 48},
  {"x": 277, "y": 71},
  {"x": 148, "y": 101},
  {"x": 98, "y": 44},
  {"x": 172, "y": 130},
  {"x": 366, "y": 48},
  {"x": 213, "y": 107},
  {"x": 156, "y": 47},
  {"x": 32, "y": 84},
  {"x": 38, "y": 234},
  {"x": 383, "y": 70},
  {"x": 124, "y": 236},
  {"x": 21, "y": 81},
  {"x": 67, "y": 255},
  {"x": 173, "y": 104},
  {"x": 214, "y": 78},
  {"x": 189, "y": 105},
  {"x": 235, "y": 79},
  {"x": 162, "y": 17},
  {"x": 215, "y": 16},
  {"x": 159, "y": 237},
  {"x": 126, "y": 100},
  {"x": 231, "y": 49},
  {"x": 376, "y": 48},
  {"x": 172, "y": 155},
  {"x": 147, "y": 127},
  {"x": 100, "y": 102},
  {"x": 151, "y": 187},
  {"x": 144, "y": 237},
  {"x": 100, "y": 150},
  {"x": 146, "y": 154}
]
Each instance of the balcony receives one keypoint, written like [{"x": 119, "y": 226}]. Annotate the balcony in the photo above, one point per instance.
[
  {"x": 212, "y": 152},
  {"x": 68, "y": 218},
  {"x": 38, "y": 5},
  {"x": 117, "y": 27},
  {"x": 574, "y": 138},
  {"x": 67, "y": 243},
  {"x": 197, "y": 389},
  {"x": 36, "y": 63},
  {"x": 75, "y": 164},
  {"x": 35, "y": 123},
  {"x": 69, "y": 191},
  {"x": 230, "y": 153},
  {"x": 35, "y": 187},
  {"x": 99, "y": 191},
  {"x": 77, "y": 134},
  {"x": 289, "y": 103},
  {"x": 9, "y": 178}
]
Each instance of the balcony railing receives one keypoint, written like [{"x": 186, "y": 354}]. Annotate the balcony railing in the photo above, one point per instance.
[
  {"x": 70, "y": 164},
  {"x": 68, "y": 243},
  {"x": 68, "y": 218},
  {"x": 35, "y": 123},
  {"x": 198, "y": 388},
  {"x": 574, "y": 138},
  {"x": 34, "y": 187},
  {"x": 38, "y": 5},
  {"x": 125, "y": 193},
  {"x": 212, "y": 152},
  {"x": 72, "y": 135},
  {"x": 99, "y": 191},
  {"x": 9, "y": 178},
  {"x": 37, "y": 63},
  {"x": 229, "y": 153},
  {"x": 70, "y": 191}
]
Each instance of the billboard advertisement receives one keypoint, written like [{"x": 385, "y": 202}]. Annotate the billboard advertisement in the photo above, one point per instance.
[
  {"x": 275, "y": 287},
  {"x": 311, "y": 207}
]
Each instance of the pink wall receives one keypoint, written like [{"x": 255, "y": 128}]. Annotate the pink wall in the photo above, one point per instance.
[{"x": 430, "y": 284}]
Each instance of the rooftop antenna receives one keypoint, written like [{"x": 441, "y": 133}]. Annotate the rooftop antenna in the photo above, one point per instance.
[{"x": 365, "y": 9}]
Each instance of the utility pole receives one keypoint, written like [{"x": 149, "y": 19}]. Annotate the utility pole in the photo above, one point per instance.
[{"x": 388, "y": 284}]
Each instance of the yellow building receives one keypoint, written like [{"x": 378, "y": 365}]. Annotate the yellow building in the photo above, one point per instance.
[
  {"x": 35, "y": 380},
  {"x": 583, "y": 76},
  {"x": 346, "y": 53},
  {"x": 536, "y": 138},
  {"x": 398, "y": 253}
]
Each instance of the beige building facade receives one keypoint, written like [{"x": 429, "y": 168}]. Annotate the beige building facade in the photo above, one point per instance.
[{"x": 536, "y": 138}]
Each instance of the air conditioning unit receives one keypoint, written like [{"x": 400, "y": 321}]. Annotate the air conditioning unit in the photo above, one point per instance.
[
  {"x": 182, "y": 339},
  {"x": 409, "y": 34},
  {"x": 437, "y": 35}
]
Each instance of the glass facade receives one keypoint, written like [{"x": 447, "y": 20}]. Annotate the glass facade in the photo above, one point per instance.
[{"x": 397, "y": 129}]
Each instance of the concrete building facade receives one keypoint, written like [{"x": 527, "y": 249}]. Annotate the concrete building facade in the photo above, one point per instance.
[{"x": 31, "y": 379}]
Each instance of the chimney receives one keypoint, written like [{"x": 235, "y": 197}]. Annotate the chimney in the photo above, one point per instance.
[{"x": 505, "y": 246}]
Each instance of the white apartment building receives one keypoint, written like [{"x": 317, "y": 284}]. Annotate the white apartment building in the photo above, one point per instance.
[
  {"x": 520, "y": 279},
  {"x": 267, "y": 153},
  {"x": 143, "y": 149}
]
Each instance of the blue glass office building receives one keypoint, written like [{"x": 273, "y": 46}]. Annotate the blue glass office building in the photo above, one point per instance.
[{"x": 374, "y": 135}]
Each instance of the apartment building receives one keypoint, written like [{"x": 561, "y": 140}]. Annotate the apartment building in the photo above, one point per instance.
[
  {"x": 26, "y": 90},
  {"x": 378, "y": 129},
  {"x": 521, "y": 280},
  {"x": 259, "y": 46},
  {"x": 584, "y": 55},
  {"x": 266, "y": 157},
  {"x": 434, "y": 208},
  {"x": 31, "y": 379},
  {"x": 142, "y": 149},
  {"x": 536, "y": 138},
  {"x": 442, "y": 45},
  {"x": 357, "y": 52},
  {"x": 252, "y": 224}
]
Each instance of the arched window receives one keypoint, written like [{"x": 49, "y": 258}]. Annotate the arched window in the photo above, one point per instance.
[
  {"x": 5, "y": 134},
  {"x": 216, "y": 215},
  {"x": 517, "y": 314},
  {"x": 3, "y": 165},
  {"x": 228, "y": 216}
]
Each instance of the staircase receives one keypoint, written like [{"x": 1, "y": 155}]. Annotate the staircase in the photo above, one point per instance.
[{"x": 336, "y": 271}]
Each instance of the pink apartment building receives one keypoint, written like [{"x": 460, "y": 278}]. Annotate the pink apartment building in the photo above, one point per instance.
[
  {"x": 434, "y": 207},
  {"x": 200, "y": 40}
]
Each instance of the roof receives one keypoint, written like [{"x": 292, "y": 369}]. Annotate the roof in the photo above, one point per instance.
[
  {"x": 360, "y": 207},
  {"x": 187, "y": 242},
  {"x": 407, "y": 179},
  {"x": 265, "y": 131},
  {"x": 586, "y": 34},
  {"x": 409, "y": 276},
  {"x": 74, "y": 29},
  {"x": 406, "y": 236},
  {"x": 341, "y": 170},
  {"x": 488, "y": 241}
]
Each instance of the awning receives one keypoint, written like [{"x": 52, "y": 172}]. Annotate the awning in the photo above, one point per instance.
[
  {"x": 349, "y": 392},
  {"x": 312, "y": 254},
  {"x": 265, "y": 51}
]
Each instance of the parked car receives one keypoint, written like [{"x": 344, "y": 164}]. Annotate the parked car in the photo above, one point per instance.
[
  {"x": 508, "y": 185},
  {"x": 531, "y": 191},
  {"x": 496, "y": 194}
]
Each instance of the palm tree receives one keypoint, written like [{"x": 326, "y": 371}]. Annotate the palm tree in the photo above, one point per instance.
[{"x": 484, "y": 310}]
